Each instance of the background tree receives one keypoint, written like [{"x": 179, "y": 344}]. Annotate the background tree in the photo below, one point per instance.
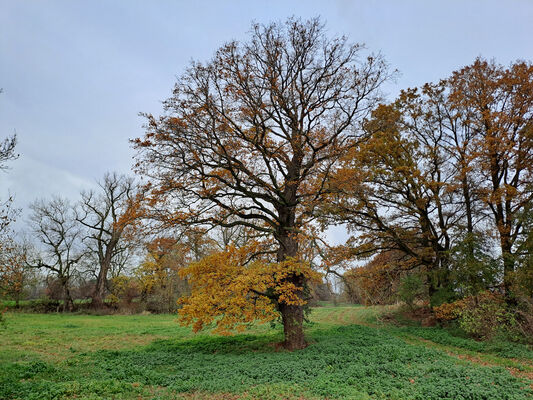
[
  {"x": 523, "y": 280},
  {"x": 7, "y": 149},
  {"x": 161, "y": 284},
  {"x": 497, "y": 106},
  {"x": 14, "y": 270},
  {"x": 395, "y": 191},
  {"x": 377, "y": 281},
  {"x": 12, "y": 257},
  {"x": 55, "y": 227},
  {"x": 446, "y": 165},
  {"x": 250, "y": 137},
  {"x": 111, "y": 218},
  {"x": 7, "y": 153}
]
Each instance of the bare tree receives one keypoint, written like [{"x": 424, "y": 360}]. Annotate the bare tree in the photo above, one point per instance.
[
  {"x": 110, "y": 217},
  {"x": 7, "y": 153},
  {"x": 54, "y": 225},
  {"x": 7, "y": 149}
]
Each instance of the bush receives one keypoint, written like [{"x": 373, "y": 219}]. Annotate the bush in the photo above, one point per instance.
[
  {"x": 483, "y": 316},
  {"x": 45, "y": 305},
  {"x": 158, "y": 304},
  {"x": 524, "y": 317},
  {"x": 449, "y": 311},
  {"x": 488, "y": 318},
  {"x": 442, "y": 295},
  {"x": 411, "y": 288}
]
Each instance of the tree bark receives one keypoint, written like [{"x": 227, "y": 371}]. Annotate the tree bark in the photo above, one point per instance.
[
  {"x": 101, "y": 280},
  {"x": 68, "y": 304},
  {"x": 292, "y": 316},
  {"x": 99, "y": 289}
]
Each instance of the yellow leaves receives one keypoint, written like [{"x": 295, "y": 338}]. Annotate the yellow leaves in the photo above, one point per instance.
[
  {"x": 165, "y": 257},
  {"x": 230, "y": 292},
  {"x": 278, "y": 275},
  {"x": 221, "y": 292},
  {"x": 449, "y": 311}
]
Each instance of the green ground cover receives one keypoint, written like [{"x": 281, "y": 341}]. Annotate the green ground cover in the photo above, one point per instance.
[{"x": 351, "y": 356}]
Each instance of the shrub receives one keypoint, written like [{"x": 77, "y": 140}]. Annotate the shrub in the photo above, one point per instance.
[
  {"x": 482, "y": 316},
  {"x": 449, "y": 311},
  {"x": 524, "y": 317},
  {"x": 112, "y": 301},
  {"x": 124, "y": 290},
  {"x": 158, "y": 304},
  {"x": 442, "y": 295},
  {"x": 411, "y": 288},
  {"x": 488, "y": 317},
  {"x": 45, "y": 305}
]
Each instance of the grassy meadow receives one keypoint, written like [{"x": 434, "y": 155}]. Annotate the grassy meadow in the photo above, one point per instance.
[{"x": 351, "y": 356}]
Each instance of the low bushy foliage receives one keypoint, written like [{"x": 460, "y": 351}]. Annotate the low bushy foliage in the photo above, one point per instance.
[
  {"x": 2, "y": 317},
  {"x": 449, "y": 311},
  {"x": 457, "y": 338},
  {"x": 482, "y": 316},
  {"x": 442, "y": 295}
]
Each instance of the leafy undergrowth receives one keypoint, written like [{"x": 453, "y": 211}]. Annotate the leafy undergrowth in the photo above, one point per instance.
[
  {"x": 343, "y": 361},
  {"x": 447, "y": 337},
  {"x": 452, "y": 337}
]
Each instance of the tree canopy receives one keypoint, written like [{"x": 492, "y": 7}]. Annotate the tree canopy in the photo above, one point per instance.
[{"x": 250, "y": 137}]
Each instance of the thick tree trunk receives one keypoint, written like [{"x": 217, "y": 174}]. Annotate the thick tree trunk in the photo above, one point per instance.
[
  {"x": 292, "y": 316},
  {"x": 101, "y": 280},
  {"x": 99, "y": 289},
  {"x": 508, "y": 264},
  {"x": 68, "y": 303}
]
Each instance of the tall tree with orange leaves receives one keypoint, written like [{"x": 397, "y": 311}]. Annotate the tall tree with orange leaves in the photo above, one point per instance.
[
  {"x": 496, "y": 104},
  {"x": 444, "y": 165},
  {"x": 250, "y": 137},
  {"x": 394, "y": 193}
]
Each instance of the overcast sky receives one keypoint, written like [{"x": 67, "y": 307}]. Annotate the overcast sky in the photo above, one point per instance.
[{"x": 75, "y": 74}]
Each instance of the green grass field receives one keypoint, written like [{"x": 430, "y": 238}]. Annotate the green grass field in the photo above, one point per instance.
[{"x": 350, "y": 356}]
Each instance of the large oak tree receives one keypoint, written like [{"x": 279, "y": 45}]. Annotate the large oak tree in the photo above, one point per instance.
[{"x": 249, "y": 137}]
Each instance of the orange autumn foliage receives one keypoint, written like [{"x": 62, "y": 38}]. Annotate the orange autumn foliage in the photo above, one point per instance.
[
  {"x": 231, "y": 292},
  {"x": 377, "y": 281},
  {"x": 12, "y": 269},
  {"x": 449, "y": 311}
]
